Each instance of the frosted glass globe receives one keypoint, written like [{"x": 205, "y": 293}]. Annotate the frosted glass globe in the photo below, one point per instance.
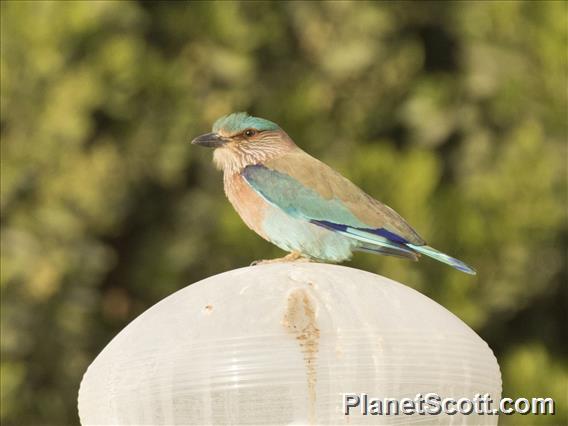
[{"x": 282, "y": 344}]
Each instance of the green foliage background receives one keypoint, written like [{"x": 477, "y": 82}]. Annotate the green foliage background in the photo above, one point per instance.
[{"x": 453, "y": 113}]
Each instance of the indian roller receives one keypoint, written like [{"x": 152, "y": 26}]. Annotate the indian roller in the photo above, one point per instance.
[{"x": 300, "y": 204}]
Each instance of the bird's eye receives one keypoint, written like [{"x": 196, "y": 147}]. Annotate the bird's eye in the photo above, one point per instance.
[{"x": 250, "y": 132}]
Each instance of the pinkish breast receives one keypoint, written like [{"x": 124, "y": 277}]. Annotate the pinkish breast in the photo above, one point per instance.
[{"x": 250, "y": 206}]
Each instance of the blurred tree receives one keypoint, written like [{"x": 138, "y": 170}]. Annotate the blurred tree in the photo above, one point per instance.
[{"x": 454, "y": 113}]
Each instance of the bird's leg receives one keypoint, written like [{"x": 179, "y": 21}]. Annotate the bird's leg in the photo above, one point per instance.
[{"x": 291, "y": 257}]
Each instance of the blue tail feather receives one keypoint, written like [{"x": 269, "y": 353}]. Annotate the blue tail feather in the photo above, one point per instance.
[
  {"x": 385, "y": 242},
  {"x": 442, "y": 257}
]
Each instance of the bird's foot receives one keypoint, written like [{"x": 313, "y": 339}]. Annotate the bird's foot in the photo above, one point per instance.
[{"x": 292, "y": 257}]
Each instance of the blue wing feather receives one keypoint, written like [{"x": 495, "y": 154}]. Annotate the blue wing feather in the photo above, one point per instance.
[{"x": 289, "y": 195}]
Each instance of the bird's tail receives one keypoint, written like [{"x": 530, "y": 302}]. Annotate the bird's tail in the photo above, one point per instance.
[
  {"x": 389, "y": 251},
  {"x": 442, "y": 257}
]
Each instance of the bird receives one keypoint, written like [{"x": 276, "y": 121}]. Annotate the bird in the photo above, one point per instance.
[{"x": 302, "y": 205}]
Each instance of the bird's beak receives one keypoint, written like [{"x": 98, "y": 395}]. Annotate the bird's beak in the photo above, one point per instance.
[{"x": 210, "y": 140}]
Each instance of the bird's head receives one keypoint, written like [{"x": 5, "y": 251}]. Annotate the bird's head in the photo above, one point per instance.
[{"x": 241, "y": 140}]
